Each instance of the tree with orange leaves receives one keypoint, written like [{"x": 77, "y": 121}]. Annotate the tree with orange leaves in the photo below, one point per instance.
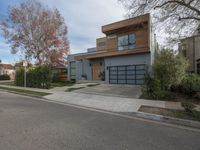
[{"x": 38, "y": 32}]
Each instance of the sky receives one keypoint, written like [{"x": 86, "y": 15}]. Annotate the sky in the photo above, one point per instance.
[{"x": 83, "y": 18}]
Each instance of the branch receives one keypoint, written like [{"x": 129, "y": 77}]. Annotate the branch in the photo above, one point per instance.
[
  {"x": 187, "y": 18},
  {"x": 180, "y": 3}
]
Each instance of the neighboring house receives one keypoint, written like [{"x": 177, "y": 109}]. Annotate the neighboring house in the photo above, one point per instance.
[
  {"x": 7, "y": 69},
  {"x": 190, "y": 48},
  {"x": 121, "y": 57}
]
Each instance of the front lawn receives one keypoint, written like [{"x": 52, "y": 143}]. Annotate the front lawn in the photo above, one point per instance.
[
  {"x": 61, "y": 84},
  {"x": 8, "y": 83},
  {"x": 25, "y": 92},
  {"x": 73, "y": 89},
  {"x": 174, "y": 97},
  {"x": 195, "y": 115}
]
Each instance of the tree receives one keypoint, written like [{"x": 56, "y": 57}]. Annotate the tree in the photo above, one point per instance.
[
  {"x": 179, "y": 18},
  {"x": 39, "y": 32},
  {"x": 169, "y": 68}
]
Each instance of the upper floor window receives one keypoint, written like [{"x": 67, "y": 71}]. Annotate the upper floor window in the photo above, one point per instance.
[
  {"x": 126, "y": 42},
  {"x": 102, "y": 44}
]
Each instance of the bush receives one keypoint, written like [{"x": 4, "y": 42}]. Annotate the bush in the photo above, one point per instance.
[
  {"x": 189, "y": 107},
  {"x": 153, "y": 88},
  {"x": 169, "y": 68},
  {"x": 4, "y": 77},
  {"x": 39, "y": 77},
  {"x": 190, "y": 84}
]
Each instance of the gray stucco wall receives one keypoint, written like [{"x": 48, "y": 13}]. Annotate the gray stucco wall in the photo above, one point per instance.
[
  {"x": 107, "y": 62},
  {"x": 127, "y": 60}
]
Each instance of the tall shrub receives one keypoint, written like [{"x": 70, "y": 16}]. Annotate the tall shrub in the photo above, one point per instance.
[
  {"x": 38, "y": 77},
  {"x": 19, "y": 77},
  {"x": 169, "y": 68},
  {"x": 191, "y": 84}
]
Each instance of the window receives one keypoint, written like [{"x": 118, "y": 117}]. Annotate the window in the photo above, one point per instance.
[
  {"x": 102, "y": 44},
  {"x": 73, "y": 70},
  {"x": 126, "y": 42}
]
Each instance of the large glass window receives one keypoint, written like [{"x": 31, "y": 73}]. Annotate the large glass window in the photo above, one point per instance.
[
  {"x": 126, "y": 42},
  {"x": 73, "y": 70}
]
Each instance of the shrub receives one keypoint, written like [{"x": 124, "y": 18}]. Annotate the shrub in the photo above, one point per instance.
[
  {"x": 19, "y": 77},
  {"x": 189, "y": 107},
  {"x": 169, "y": 68},
  {"x": 4, "y": 77},
  {"x": 153, "y": 88},
  {"x": 190, "y": 84},
  {"x": 38, "y": 77}
]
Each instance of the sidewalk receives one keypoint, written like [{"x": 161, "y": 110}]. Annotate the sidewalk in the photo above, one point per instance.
[{"x": 108, "y": 103}]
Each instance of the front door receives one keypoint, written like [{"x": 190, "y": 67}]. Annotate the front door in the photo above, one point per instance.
[{"x": 96, "y": 69}]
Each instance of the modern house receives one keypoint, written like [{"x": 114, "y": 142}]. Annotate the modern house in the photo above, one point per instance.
[
  {"x": 121, "y": 57},
  {"x": 190, "y": 48}
]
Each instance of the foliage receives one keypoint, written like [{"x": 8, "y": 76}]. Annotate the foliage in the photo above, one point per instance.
[
  {"x": 102, "y": 75},
  {"x": 37, "y": 31},
  {"x": 4, "y": 77},
  {"x": 178, "y": 18},
  {"x": 153, "y": 88},
  {"x": 84, "y": 76},
  {"x": 38, "y": 77},
  {"x": 191, "y": 84},
  {"x": 169, "y": 68},
  {"x": 188, "y": 106}
]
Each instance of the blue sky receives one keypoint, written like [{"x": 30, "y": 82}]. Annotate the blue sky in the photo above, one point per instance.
[{"x": 84, "y": 19}]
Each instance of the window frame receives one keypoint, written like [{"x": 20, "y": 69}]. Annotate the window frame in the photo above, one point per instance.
[{"x": 130, "y": 45}]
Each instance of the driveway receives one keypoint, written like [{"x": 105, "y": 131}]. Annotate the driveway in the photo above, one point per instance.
[
  {"x": 30, "y": 124},
  {"x": 114, "y": 90}
]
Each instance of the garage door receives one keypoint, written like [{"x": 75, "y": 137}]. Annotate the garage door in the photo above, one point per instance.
[{"x": 132, "y": 74}]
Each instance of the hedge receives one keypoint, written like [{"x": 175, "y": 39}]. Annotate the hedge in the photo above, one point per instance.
[
  {"x": 38, "y": 77},
  {"x": 4, "y": 77}
]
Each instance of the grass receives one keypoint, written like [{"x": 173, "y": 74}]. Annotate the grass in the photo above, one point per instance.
[
  {"x": 8, "y": 83},
  {"x": 61, "y": 84},
  {"x": 173, "y": 97},
  {"x": 195, "y": 115},
  {"x": 25, "y": 92},
  {"x": 92, "y": 85},
  {"x": 73, "y": 89}
]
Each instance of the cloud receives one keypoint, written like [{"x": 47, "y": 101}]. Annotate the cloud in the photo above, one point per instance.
[
  {"x": 84, "y": 19},
  {"x": 5, "y": 53}
]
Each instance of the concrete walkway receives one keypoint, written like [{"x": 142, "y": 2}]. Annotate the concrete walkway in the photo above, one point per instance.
[{"x": 108, "y": 103}]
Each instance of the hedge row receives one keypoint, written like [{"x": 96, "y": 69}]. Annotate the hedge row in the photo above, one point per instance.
[
  {"x": 4, "y": 77},
  {"x": 38, "y": 77}
]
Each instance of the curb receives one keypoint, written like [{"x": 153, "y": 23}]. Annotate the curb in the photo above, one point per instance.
[
  {"x": 165, "y": 119},
  {"x": 139, "y": 115}
]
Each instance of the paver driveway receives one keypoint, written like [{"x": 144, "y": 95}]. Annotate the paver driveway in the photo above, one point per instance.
[{"x": 115, "y": 90}]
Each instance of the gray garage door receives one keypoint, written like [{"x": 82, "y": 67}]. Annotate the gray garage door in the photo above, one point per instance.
[{"x": 132, "y": 74}]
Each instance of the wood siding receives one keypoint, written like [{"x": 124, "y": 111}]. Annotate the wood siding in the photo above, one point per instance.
[{"x": 142, "y": 39}]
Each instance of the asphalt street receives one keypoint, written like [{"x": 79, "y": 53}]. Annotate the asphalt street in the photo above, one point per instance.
[{"x": 31, "y": 124}]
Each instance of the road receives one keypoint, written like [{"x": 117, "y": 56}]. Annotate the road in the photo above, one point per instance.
[{"x": 32, "y": 124}]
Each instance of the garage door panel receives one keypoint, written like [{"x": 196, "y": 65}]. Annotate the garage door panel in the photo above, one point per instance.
[
  {"x": 131, "y": 82},
  {"x": 139, "y": 81},
  {"x": 131, "y": 74},
  {"x": 131, "y": 77},
  {"x": 121, "y": 81}
]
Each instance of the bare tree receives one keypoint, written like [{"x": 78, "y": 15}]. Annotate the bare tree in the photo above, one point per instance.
[
  {"x": 39, "y": 32},
  {"x": 178, "y": 18}
]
